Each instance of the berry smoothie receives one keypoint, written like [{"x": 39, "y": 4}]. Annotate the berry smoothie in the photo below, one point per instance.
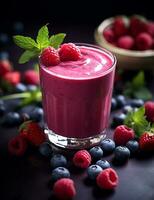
[{"x": 77, "y": 94}]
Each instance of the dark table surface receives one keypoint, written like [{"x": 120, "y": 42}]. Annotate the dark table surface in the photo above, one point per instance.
[{"x": 28, "y": 178}]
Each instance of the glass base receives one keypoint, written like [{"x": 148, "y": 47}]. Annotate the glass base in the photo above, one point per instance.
[{"x": 73, "y": 143}]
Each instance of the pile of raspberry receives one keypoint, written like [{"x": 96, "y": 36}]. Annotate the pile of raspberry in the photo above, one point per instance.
[{"x": 134, "y": 33}]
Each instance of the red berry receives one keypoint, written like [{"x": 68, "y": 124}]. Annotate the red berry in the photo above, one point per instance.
[
  {"x": 12, "y": 78},
  {"x": 69, "y": 52},
  {"x": 146, "y": 142},
  {"x": 17, "y": 146},
  {"x": 5, "y": 67},
  {"x": 125, "y": 42},
  {"x": 82, "y": 159},
  {"x": 50, "y": 57},
  {"x": 109, "y": 35},
  {"x": 32, "y": 132},
  {"x": 123, "y": 134},
  {"x": 107, "y": 179},
  {"x": 144, "y": 41},
  {"x": 31, "y": 77},
  {"x": 149, "y": 111},
  {"x": 120, "y": 26},
  {"x": 64, "y": 189},
  {"x": 150, "y": 28}
]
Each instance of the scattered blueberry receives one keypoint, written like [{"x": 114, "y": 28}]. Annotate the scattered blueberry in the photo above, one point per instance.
[
  {"x": 127, "y": 109},
  {"x": 37, "y": 114},
  {"x": 107, "y": 145},
  {"x": 24, "y": 117},
  {"x": 45, "y": 149},
  {"x": 137, "y": 103},
  {"x": 121, "y": 101},
  {"x": 2, "y": 109},
  {"x": 118, "y": 119},
  {"x": 4, "y": 55},
  {"x": 96, "y": 153},
  {"x": 18, "y": 27},
  {"x": 4, "y": 38},
  {"x": 12, "y": 119},
  {"x": 121, "y": 153},
  {"x": 133, "y": 146},
  {"x": 58, "y": 160},
  {"x": 20, "y": 87},
  {"x": 93, "y": 171},
  {"x": 60, "y": 172},
  {"x": 104, "y": 164},
  {"x": 113, "y": 104},
  {"x": 31, "y": 88}
]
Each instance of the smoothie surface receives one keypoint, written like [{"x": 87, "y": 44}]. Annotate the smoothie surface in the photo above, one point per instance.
[{"x": 94, "y": 63}]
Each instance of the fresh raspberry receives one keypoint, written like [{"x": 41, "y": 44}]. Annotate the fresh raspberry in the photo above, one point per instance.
[
  {"x": 12, "y": 78},
  {"x": 17, "y": 146},
  {"x": 125, "y": 42},
  {"x": 120, "y": 26},
  {"x": 109, "y": 35},
  {"x": 107, "y": 179},
  {"x": 138, "y": 24},
  {"x": 5, "y": 67},
  {"x": 50, "y": 57},
  {"x": 32, "y": 132},
  {"x": 31, "y": 77},
  {"x": 64, "y": 189},
  {"x": 150, "y": 28},
  {"x": 144, "y": 41},
  {"x": 146, "y": 142},
  {"x": 123, "y": 134},
  {"x": 82, "y": 159},
  {"x": 69, "y": 52},
  {"x": 149, "y": 111}
]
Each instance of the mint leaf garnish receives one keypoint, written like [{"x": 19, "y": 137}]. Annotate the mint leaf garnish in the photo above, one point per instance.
[
  {"x": 24, "y": 42},
  {"x": 43, "y": 37},
  {"x": 143, "y": 93},
  {"x": 137, "y": 121},
  {"x": 27, "y": 55},
  {"x": 56, "y": 40}
]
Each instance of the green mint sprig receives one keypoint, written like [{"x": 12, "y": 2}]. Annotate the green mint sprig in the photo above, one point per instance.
[
  {"x": 137, "y": 88},
  {"x": 138, "y": 122},
  {"x": 34, "y": 48}
]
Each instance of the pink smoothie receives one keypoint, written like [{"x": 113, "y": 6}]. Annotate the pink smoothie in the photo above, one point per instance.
[{"x": 77, "y": 94}]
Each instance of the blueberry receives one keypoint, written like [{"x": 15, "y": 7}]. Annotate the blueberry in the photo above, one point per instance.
[
  {"x": 31, "y": 88},
  {"x": 4, "y": 39},
  {"x": 137, "y": 103},
  {"x": 133, "y": 146},
  {"x": 121, "y": 101},
  {"x": 45, "y": 149},
  {"x": 60, "y": 172},
  {"x": 37, "y": 114},
  {"x": 58, "y": 160},
  {"x": 2, "y": 109},
  {"x": 18, "y": 27},
  {"x": 24, "y": 117},
  {"x": 104, "y": 164},
  {"x": 93, "y": 171},
  {"x": 118, "y": 119},
  {"x": 107, "y": 145},
  {"x": 96, "y": 153},
  {"x": 113, "y": 104},
  {"x": 12, "y": 119},
  {"x": 20, "y": 87},
  {"x": 4, "y": 55},
  {"x": 121, "y": 153},
  {"x": 127, "y": 109}
]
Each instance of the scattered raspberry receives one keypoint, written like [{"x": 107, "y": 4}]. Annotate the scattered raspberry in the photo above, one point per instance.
[
  {"x": 109, "y": 35},
  {"x": 123, "y": 134},
  {"x": 64, "y": 189},
  {"x": 149, "y": 111},
  {"x": 125, "y": 42},
  {"x": 31, "y": 77},
  {"x": 146, "y": 142},
  {"x": 107, "y": 179},
  {"x": 120, "y": 26},
  {"x": 12, "y": 78},
  {"x": 5, "y": 67},
  {"x": 150, "y": 28},
  {"x": 144, "y": 41},
  {"x": 17, "y": 146},
  {"x": 32, "y": 132},
  {"x": 82, "y": 159},
  {"x": 69, "y": 52},
  {"x": 50, "y": 57}
]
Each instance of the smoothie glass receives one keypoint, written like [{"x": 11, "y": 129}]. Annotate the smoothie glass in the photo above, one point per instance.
[{"x": 76, "y": 98}]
